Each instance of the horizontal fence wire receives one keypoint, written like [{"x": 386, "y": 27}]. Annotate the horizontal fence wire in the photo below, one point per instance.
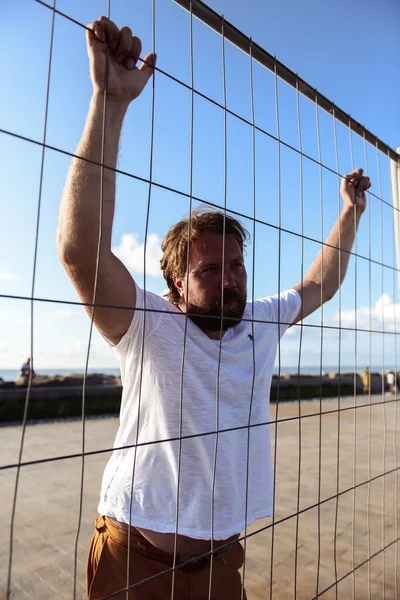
[
  {"x": 192, "y": 436},
  {"x": 232, "y": 34},
  {"x": 193, "y": 314},
  {"x": 229, "y": 33},
  {"x": 211, "y": 18},
  {"x": 182, "y": 193}
]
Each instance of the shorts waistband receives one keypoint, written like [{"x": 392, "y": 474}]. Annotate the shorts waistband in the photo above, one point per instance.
[{"x": 139, "y": 543}]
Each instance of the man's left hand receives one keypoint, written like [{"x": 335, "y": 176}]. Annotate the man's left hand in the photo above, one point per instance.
[{"x": 353, "y": 188}]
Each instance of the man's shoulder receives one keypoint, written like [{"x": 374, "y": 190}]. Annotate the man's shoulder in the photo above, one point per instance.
[
  {"x": 152, "y": 299},
  {"x": 279, "y": 305},
  {"x": 156, "y": 309}
]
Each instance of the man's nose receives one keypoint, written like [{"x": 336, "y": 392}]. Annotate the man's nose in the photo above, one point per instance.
[{"x": 229, "y": 279}]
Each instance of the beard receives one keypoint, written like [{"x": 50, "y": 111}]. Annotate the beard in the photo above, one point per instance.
[{"x": 210, "y": 317}]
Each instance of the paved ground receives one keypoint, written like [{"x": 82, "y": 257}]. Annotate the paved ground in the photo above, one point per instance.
[{"x": 48, "y": 505}]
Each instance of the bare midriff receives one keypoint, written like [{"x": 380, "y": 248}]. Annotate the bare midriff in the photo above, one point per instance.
[{"x": 185, "y": 546}]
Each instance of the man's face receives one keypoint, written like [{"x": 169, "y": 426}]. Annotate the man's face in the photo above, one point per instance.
[{"x": 202, "y": 288}]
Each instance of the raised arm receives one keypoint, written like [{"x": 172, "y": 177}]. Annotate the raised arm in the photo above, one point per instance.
[
  {"x": 327, "y": 272},
  {"x": 79, "y": 222}
]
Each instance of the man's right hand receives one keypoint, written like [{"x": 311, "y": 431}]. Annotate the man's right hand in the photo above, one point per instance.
[{"x": 125, "y": 80}]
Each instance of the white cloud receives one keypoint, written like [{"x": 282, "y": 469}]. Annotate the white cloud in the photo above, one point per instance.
[
  {"x": 384, "y": 316},
  {"x": 75, "y": 350},
  {"x": 6, "y": 275},
  {"x": 75, "y": 353},
  {"x": 65, "y": 314},
  {"x": 131, "y": 253},
  {"x": 58, "y": 344},
  {"x": 28, "y": 320},
  {"x": 6, "y": 315}
]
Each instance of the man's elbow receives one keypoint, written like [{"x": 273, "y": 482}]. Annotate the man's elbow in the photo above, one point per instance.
[
  {"x": 328, "y": 292},
  {"x": 75, "y": 252},
  {"x": 65, "y": 250},
  {"x": 70, "y": 255}
]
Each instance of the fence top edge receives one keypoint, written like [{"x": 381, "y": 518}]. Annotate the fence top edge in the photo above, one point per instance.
[{"x": 212, "y": 19}]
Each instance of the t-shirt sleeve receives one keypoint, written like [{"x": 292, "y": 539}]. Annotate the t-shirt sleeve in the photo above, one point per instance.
[
  {"x": 281, "y": 309},
  {"x": 148, "y": 309}
]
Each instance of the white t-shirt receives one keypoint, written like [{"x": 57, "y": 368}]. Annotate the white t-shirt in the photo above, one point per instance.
[{"x": 161, "y": 383}]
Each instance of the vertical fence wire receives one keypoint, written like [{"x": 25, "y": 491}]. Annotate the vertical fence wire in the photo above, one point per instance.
[
  {"x": 181, "y": 391},
  {"x": 384, "y": 441},
  {"x": 32, "y": 302},
  {"x": 369, "y": 387},
  {"x": 144, "y": 314},
  {"x": 217, "y": 394},
  {"x": 395, "y": 451},
  {"x": 299, "y": 432},
  {"x": 278, "y": 139},
  {"x": 353, "y": 528},
  {"x": 253, "y": 154},
  {"x": 96, "y": 277},
  {"x": 321, "y": 347},
  {"x": 335, "y": 535}
]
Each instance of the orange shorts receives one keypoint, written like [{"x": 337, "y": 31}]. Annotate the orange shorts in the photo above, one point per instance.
[{"x": 107, "y": 569}]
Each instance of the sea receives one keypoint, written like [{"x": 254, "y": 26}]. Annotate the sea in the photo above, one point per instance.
[{"x": 12, "y": 374}]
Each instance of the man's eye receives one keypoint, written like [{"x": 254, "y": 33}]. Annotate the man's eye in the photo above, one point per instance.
[{"x": 209, "y": 270}]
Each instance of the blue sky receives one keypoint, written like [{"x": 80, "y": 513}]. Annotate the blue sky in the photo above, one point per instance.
[{"x": 349, "y": 51}]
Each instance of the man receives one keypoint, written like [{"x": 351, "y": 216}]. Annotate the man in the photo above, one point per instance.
[
  {"x": 391, "y": 381},
  {"x": 194, "y": 364},
  {"x": 26, "y": 371}
]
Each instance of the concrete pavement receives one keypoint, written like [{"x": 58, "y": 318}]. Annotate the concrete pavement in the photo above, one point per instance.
[{"x": 48, "y": 499}]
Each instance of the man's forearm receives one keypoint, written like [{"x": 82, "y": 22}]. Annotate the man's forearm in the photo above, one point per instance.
[
  {"x": 330, "y": 266},
  {"x": 78, "y": 230}
]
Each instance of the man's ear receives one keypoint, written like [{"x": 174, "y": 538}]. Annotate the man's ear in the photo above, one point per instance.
[{"x": 178, "y": 282}]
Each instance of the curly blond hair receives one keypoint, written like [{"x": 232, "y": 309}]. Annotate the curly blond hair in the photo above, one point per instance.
[{"x": 175, "y": 244}]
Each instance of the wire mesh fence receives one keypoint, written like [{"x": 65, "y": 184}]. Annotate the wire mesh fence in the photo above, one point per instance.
[{"x": 223, "y": 125}]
